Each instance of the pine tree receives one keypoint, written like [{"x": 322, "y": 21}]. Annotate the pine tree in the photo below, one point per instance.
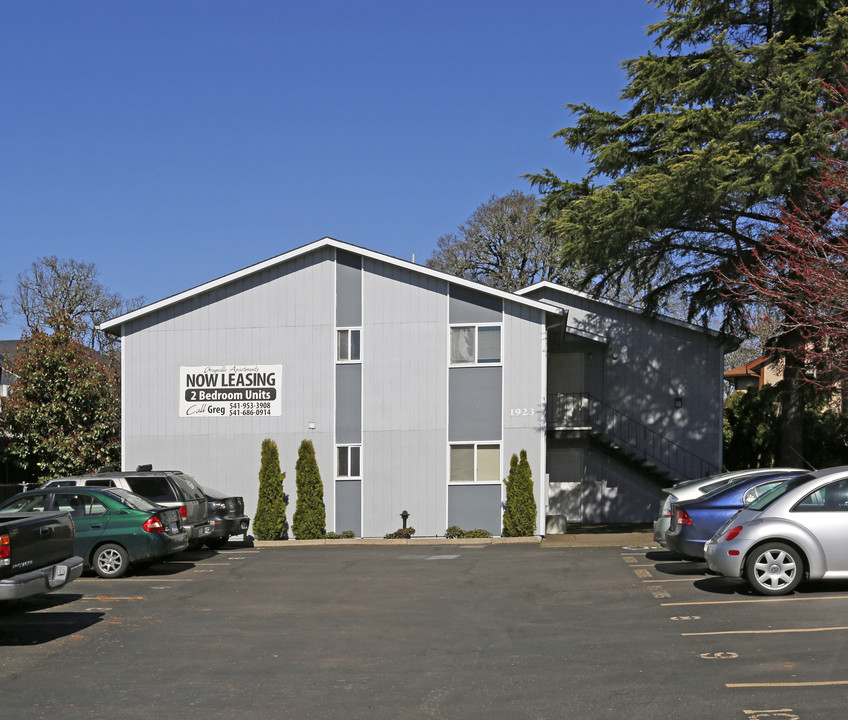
[
  {"x": 309, "y": 521},
  {"x": 722, "y": 130},
  {"x": 270, "y": 520},
  {"x": 520, "y": 514}
]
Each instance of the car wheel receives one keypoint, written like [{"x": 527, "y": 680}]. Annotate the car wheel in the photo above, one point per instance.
[
  {"x": 110, "y": 561},
  {"x": 218, "y": 542},
  {"x": 774, "y": 569}
]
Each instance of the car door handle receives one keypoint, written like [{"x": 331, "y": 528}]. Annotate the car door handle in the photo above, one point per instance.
[{"x": 99, "y": 525}]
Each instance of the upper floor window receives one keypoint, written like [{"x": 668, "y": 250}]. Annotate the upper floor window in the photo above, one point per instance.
[
  {"x": 347, "y": 345},
  {"x": 475, "y": 344}
]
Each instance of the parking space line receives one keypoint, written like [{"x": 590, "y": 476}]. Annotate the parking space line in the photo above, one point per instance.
[
  {"x": 787, "y": 684},
  {"x": 666, "y": 581},
  {"x": 759, "y": 600},
  {"x": 767, "y": 632},
  {"x": 160, "y": 578}
]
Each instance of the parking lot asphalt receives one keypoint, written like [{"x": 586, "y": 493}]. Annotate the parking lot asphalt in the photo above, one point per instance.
[{"x": 423, "y": 631}]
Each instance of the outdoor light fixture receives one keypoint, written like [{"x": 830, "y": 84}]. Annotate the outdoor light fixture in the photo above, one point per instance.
[{"x": 404, "y": 516}]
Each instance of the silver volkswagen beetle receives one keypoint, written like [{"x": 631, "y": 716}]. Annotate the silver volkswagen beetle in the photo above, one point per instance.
[{"x": 797, "y": 530}]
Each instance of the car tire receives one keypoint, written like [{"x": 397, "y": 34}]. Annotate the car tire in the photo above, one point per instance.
[
  {"x": 774, "y": 568},
  {"x": 110, "y": 561},
  {"x": 218, "y": 542}
]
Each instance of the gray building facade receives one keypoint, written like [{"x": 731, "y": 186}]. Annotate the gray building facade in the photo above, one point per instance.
[{"x": 416, "y": 388}]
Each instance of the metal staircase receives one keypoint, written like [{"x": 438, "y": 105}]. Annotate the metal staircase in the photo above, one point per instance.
[{"x": 624, "y": 437}]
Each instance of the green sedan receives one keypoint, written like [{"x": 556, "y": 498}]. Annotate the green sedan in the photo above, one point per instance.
[{"x": 114, "y": 528}]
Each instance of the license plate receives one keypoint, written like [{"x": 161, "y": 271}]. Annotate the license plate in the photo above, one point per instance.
[{"x": 60, "y": 576}]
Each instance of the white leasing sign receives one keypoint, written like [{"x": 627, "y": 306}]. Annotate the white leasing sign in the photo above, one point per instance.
[{"x": 230, "y": 391}]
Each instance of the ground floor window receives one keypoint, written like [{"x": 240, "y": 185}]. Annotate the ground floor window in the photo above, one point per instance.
[
  {"x": 475, "y": 462},
  {"x": 347, "y": 464}
]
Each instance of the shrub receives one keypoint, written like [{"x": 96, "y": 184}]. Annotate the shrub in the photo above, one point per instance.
[
  {"x": 344, "y": 535},
  {"x": 400, "y": 534},
  {"x": 309, "y": 521},
  {"x": 520, "y": 514},
  {"x": 269, "y": 522},
  {"x": 454, "y": 531},
  {"x": 477, "y": 533}
]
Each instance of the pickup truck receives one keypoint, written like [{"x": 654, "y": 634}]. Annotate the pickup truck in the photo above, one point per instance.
[{"x": 36, "y": 553}]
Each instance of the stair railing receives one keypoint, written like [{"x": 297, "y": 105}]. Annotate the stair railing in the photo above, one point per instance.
[{"x": 580, "y": 411}]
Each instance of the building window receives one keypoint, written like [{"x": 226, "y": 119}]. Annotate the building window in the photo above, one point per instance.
[
  {"x": 348, "y": 465},
  {"x": 348, "y": 345},
  {"x": 475, "y": 462},
  {"x": 475, "y": 344}
]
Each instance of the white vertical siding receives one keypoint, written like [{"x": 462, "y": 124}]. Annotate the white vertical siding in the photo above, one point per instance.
[
  {"x": 524, "y": 395},
  {"x": 405, "y": 361},
  {"x": 283, "y": 315}
]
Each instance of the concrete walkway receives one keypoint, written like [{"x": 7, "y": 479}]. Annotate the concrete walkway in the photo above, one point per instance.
[{"x": 586, "y": 536}]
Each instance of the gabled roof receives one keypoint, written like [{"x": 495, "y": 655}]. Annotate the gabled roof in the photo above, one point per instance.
[
  {"x": 545, "y": 284},
  {"x": 752, "y": 368},
  {"x": 114, "y": 324}
]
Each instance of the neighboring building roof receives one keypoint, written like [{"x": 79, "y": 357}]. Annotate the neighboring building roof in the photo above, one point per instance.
[
  {"x": 752, "y": 368},
  {"x": 114, "y": 324},
  {"x": 731, "y": 341}
]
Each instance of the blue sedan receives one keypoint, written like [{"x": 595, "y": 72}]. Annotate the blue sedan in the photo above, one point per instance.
[{"x": 695, "y": 521}]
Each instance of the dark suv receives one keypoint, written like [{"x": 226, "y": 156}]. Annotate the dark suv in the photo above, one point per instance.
[{"x": 170, "y": 488}]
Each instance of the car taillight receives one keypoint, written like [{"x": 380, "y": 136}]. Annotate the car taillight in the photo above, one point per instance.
[
  {"x": 153, "y": 525},
  {"x": 683, "y": 518},
  {"x": 5, "y": 550},
  {"x": 733, "y": 533},
  {"x": 183, "y": 512}
]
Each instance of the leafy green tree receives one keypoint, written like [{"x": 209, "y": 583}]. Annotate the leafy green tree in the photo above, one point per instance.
[
  {"x": 519, "y": 518},
  {"x": 752, "y": 436},
  {"x": 63, "y": 415},
  {"x": 501, "y": 245},
  {"x": 309, "y": 521},
  {"x": 270, "y": 520},
  {"x": 722, "y": 130}
]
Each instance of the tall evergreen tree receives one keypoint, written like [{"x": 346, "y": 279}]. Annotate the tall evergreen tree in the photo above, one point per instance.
[
  {"x": 520, "y": 515},
  {"x": 722, "y": 130},
  {"x": 309, "y": 521},
  {"x": 270, "y": 520}
]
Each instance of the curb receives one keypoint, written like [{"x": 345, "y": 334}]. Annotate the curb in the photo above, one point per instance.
[
  {"x": 533, "y": 540},
  {"x": 574, "y": 540}
]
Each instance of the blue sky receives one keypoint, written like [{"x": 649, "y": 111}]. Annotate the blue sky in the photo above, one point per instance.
[{"x": 174, "y": 141}]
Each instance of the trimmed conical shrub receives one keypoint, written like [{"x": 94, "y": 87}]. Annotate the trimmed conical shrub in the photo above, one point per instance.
[
  {"x": 270, "y": 520},
  {"x": 310, "y": 520},
  {"x": 520, "y": 515}
]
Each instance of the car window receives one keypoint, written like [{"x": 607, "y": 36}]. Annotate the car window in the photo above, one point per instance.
[
  {"x": 189, "y": 487},
  {"x": 80, "y": 505},
  {"x": 762, "y": 502},
  {"x": 131, "y": 500},
  {"x": 833, "y": 497},
  {"x": 29, "y": 503},
  {"x": 155, "y": 488},
  {"x": 62, "y": 483},
  {"x": 100, "y": 483},
  {"x": 753, "y": 493}
]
